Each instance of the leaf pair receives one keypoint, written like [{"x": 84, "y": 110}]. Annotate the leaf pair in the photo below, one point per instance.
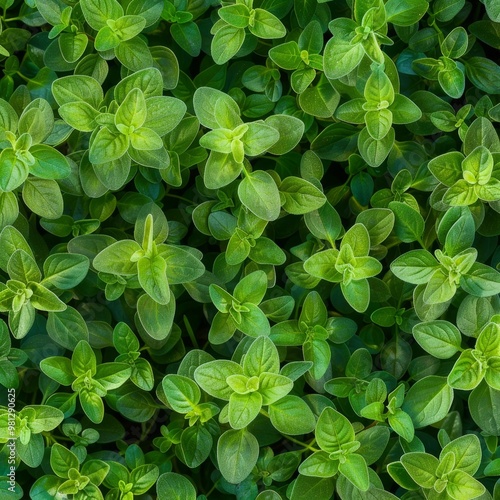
[
  {"x": 247, "y": 386},
  {"x": 451, "y": 473},
  {"x": 335, "y": 436},
  {"x": 26, "y": 291},
  {"x": 350, "y": 266},
  {"x": 229, "y": 31},
  {"x": 438, "y": 279},
  {"x": 153, "y": 263},
  {"x": 470, "y": 178},
  {"x": 91, "y": 382},
  {"x": 240, "y": 310}
]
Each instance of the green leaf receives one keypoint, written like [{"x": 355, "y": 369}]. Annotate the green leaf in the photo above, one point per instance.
[
  {"x": 467, "y": 372},
  {"x": 243, "y": 409},
  {"x": 106, "y": 39},
  {"x": 483, "y": 402},
  {"x": 237, "y": 453},
  {"x": 59, "y": 369},
  {"x": 467, "y": 451},
  {"x": 45, "y": 300},
  {"x": 375, "y": 151},
  {"x": 322, "y": 265},
  {"x": 72, "y": 46},
  {"x": 409, "y": 225},
  {"x": 439, "y": 338},
  {"x": 22, "y": 267},
  {"x": 49, "y": 163},
  {"x": 43, "y": 418},
  {"x": 13, "y": 171},
  {"x": 155, "y": 318},
  {"x": 261, "y": 357},
  {"x": 188, "y": 36},
  {"x": 112, "y": 375},
  {"x": 404, "y": 110},
  {"x": 211, "y": 377},
  {"x": 259, "y": 193},
  {"x": 452, "y": 82},
  {"x": 171, "y": 485},
  {"x": 286, "y": 55},
  {"x": 258, "y": 138},
  {"x": 206, "y": 101},
  {"x": 182, "y": 393},
  {"x": 428, "y": 400},
  {"x": 445, "y": 11},
  {"x": 324, "y": 223},
  {"x": 116, "y": 258},
  {"x": 97, "y": 13},
  {"x": 341, "y": 56},
  {"x": 134, "y": 54},
  {"x": 406, "y": 12},
  {"x": 83, "y": 359},
  {"x": 379, "y": 223},
  {"x": 148, "y": 80},
  {"x": 65, "y": 271},
  {"x": 196, "y": 444},
  {"x": 226, "y": 43},
  {"x": 493, "y": 10},
  {"x": 481, "y": 133},
  {"x": 273, "y": 387},
  {"x": 455, "y": 43},
  {"x": 108, "y": 146},
  {"x": 301, "y": 79},
  {"x": 43, "y": 196},
  {"x": 67, "y": 328},
  {"x": 357, "y": 294},
  {"x": 319, "y": 464},
  {"x": 291, "y": 415},
  {"x": 300, "y": 196},
  {"x": 462, "y": 485},
  {"x": 254, "y": 322},
  {"x": 481, "y": 281},
  {"x": 333, "y": 430},
  {"x": 182, "y": 266},
  {"x": 152, "y": 274},
  {"x": 237, "y": 15},
  {"x": 378, "y": 87},
  {"x": 356, "y": 471},
  {"x": 132, "y": 111},
  {"x": 483, "y": 73},
  {"x": 77, "y": 88},
  {"x": 266, "y": 25},
  {"x": 37, "y": 120},
  {"x": 163, "y": 114},
  {"x": 92, "y": 405},
  {"x": 421, "y": 467},
  {"x": 62, "y": 460},
  {"x": 305, "y": 486}
]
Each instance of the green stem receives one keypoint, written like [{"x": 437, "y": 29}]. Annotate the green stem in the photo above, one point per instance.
[
  {"x": 211, "y": 490},
  {"x": 25, "y": 78},
  {"x": 180, "y": 198},
  {"x": 147, "y": 430},
  {"x": 421, "y": 243},
  {"x": 301, "y": 443},
  {"x": 190, "y": 332}
]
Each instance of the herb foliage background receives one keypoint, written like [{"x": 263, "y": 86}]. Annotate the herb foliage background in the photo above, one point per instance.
[{"x": 250, "y": 249}]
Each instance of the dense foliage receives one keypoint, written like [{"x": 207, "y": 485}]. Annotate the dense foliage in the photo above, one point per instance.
[{"x": 249, "y": 249}]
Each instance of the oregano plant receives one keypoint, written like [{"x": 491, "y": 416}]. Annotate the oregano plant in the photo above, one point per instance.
[{"x": 249, "y": 249}]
